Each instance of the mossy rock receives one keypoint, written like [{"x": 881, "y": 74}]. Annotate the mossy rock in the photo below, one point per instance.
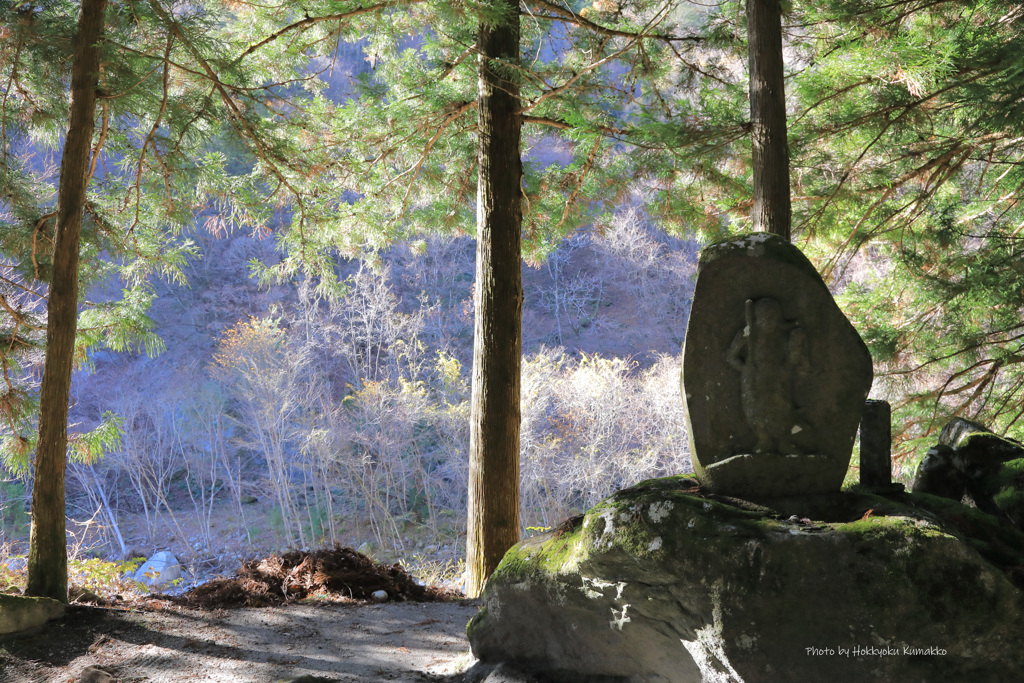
[
  {"x": 986, "y": 467},
  {"x": 1000, "y": 489},
  {"x": 757, "y": 245},
  {"x": 665, "y": 582},
  {"x": 956, "y": 428},
  {"x": 985, "y": 450},
  {"x": 19, "y": 613}
]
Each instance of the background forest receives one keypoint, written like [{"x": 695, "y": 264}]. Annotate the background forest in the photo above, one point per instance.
[
  {"x": 274, "y": 419},
  {"x": 277, "y": 258}
]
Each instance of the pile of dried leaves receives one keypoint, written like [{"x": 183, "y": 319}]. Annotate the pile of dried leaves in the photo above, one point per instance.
[{"x": 337, "y": 573}]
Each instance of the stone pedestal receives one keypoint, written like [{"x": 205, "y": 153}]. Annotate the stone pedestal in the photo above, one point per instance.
[{"x": 665, "y": 583}]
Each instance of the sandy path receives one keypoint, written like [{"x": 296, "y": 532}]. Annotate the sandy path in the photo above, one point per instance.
[{"x": 333, "y": 642}]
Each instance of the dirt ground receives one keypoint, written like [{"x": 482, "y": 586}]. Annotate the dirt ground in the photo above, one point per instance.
[
  {"x": 398, "y": 641},
  {"x": 332, "y": 614}
]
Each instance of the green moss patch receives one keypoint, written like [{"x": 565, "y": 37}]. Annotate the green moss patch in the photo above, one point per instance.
[{"x": 19, "y": 613}]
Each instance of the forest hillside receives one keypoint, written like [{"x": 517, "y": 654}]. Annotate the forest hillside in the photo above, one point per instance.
[
  {"x": 244, "y": 229},
  {"x": 256, "y": 388}
]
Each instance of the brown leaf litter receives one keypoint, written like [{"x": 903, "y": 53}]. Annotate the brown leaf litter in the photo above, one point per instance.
[{"x": 337, "y": 574}]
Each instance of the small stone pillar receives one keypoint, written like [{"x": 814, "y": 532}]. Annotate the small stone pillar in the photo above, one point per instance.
[{"x": 876, "y": 444}]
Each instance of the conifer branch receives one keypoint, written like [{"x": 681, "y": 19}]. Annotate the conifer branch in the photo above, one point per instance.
[
  {"x": 241, "y": 123},
  {"x": 571, "y": 201},
  {"x": 563, "y": 125},
  {"x": 3, "y": 105},
  {"x": 20, "y": 319},
  {"x": 266, "y": 87},
  {"x": 576, "y": 76},
  {"x": 449, "y": 68},
  {"x": 35, "y": 243},
  {"x": 102, "y": 138},
  {"x": 831, "y": 96},
  {"x": 152, "y": 132},
  {"x": 568, "y": 16},
  {"x": 415, "y": 169},
  {"x": 308, "y": 21}
]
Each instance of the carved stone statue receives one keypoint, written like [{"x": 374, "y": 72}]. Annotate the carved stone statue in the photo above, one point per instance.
[
  {"x": 774, "y": 375},
  {"x": 770, "y": 352}
]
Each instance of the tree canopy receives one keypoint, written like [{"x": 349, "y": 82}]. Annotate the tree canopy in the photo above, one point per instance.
[{"x": 905, "y": 122}]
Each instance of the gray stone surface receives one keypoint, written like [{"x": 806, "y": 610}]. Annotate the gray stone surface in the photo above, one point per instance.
[
  {"x": 957, "y": 428},
  {"x": 94, "y": 674},
  {"x": 160, "y": 570},
  {"x": 941, "y": 473},
  {"x": 662, "y": 583},
  {"x": 774, "y": 375},
  {"x": 503, "y": 672},
  {"x": 19, "y": 613}
]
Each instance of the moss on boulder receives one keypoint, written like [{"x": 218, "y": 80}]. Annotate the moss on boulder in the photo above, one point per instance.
[
  {"x": 19, "y": 613},
  {"x": 665, "y": 582}
]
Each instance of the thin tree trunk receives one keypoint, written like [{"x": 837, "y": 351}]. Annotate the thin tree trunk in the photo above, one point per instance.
[
  {"x": 772, "y": 211},
  {"x": 493, "y": 520},
  {"x": 47, "y": 558},
  {"x": 110, "y": 514}
]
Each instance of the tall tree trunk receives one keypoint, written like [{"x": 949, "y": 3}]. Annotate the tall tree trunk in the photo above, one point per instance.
[
  {"x": 47, "y": 556},
  {"x": 772, "y": 211},
  {"x": 493, "y": 521}
]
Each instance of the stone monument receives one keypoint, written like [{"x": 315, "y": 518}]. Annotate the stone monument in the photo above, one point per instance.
[
  {"x": 774, "y": 375},
  {"x": 749, "y": 575}
]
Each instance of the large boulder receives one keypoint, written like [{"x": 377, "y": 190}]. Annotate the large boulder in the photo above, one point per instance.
[
  {"x": 667, "y": 583},
  {"x": 774, "y": 375},
  {"x": 19, "y": 613},
  {"x": 957, "y": 428},
  {"x": 970, "y": 464}
]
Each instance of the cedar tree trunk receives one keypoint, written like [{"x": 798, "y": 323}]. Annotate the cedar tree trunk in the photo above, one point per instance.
[
  {"x": 493, "y": 519},
  {"x": 47, "y": 555},
  {"x": 772, "y": 211}
]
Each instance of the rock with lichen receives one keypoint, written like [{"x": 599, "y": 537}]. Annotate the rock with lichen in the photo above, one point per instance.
[
  {"x": 958, "y": 427},
  {"x": 21, "y": 613},
  {"x": 975, "y": 466},
  {"x": 664, "y": 582},
  {"x": 774, "y": 375}
]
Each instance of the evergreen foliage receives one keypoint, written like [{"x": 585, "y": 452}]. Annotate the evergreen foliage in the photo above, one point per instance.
[
  {"x": 909, "y": 161},
  {"x": 154, "y": 122},
  {"x": 904, "y": 129}
]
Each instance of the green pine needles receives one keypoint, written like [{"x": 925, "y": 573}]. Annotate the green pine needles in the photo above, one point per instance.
[{"x": 904, "y": 130}]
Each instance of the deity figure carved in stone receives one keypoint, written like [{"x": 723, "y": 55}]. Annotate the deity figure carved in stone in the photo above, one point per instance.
[{"x": 770, "y": 353}]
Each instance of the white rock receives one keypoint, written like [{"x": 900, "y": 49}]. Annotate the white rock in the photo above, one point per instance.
[
  {"x": 16, "y": 564},
  {"x": 379, "y": 596},
  {"x": 159, "y": 570}
]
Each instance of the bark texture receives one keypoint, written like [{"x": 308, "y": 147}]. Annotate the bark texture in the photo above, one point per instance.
[
  {"x": 47, "y": 559},
  {"x": 772, "y": 212},
  {"x": 493, "y": 520}
]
